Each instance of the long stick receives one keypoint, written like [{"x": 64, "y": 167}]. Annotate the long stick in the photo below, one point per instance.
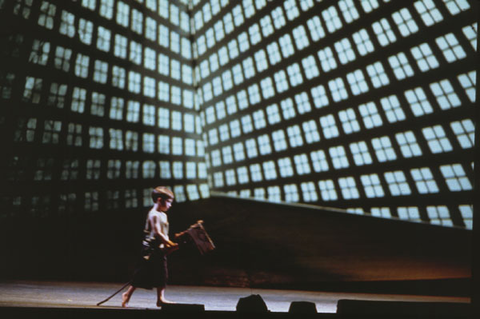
[{"x": 101, "y": 302}]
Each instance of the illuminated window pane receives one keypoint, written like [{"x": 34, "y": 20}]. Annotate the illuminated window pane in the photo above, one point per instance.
[
  {"x": 51, "y": 131},
  {"x": 465, "y": 132},
  {"x": 32, "y": 91},
  {"x": 242, "y": 174},
  {"x": 294, "y": 74},
  {"x": 79, "y": 96},
  {"x": 331, "y": 19},
  {"x": 238, "y": 15},
  {"x": 424, "y": 56},
  {"x": 418, "y": 101},
  {"x": 113, "y": 170},
  {"x": 81, "y": 65},
  {"x": 327, "y": 59},
  {"x": 106, "y": 8},
  {"x": 337, "y": 88},
  {"x": 230, "y": 177},
  {"x": 224, "y": 132},
  {"x": 437, "y": 139},
  {"x": 405, "y": 23},
  {"x": 239, "y": 152},
  {"x": 264, "y": 144},
  {"x": 47, "y": 14},
  {"x": 392, "y": 108},
  {"x": 338, "y": 157},
  {"x": 247, "y": 124},
  {"x": 85, "y": 31},
  {"x": 348, "y": 188},
  {"x": 384, "y": 32},
  {"x": 251, "y": 146},
  {"x": 281, "y": 81},
  {"x": 400, "y": 66},
  {"x": 319, "y": 161},
  {"x": 311, "y": 131},
  {"x": 456, "y": 6},
  {"x": 316, "y": 29},
  {"x": 467, "y": 214},
  {"x": 408, "y": 144},
  {"x": 309, "y": 192},
  {"x": 377, "y": 75},
  {"x": 261, "y": 61},
  {"x": 429, "y": 13},
  {"x": 363, "y": 42},
  {"x": 269, "y": 170},
  {"x": 445, "y": 94},
  {"x": 384, "y": 149},
  {"x": 345, "y": 51},
  {"x": 96, "y": 137},
  {"x": 279, "y": 140},
  {"x": 319, "y": 96},
  {"x": 294, "y": 136},
  {"x": 327, "y": 190},
  {"x": 266, "y": 26},
  {"x": 371, "y": 184},
  {"x": 57, "y": 95},
  {"x": 231, "y": 105},
  {"x": 227, "y": 155},
  {"x": 274, "y": 193},
  {"x": 467, "y": 81},
  {"x": 278, "y": 17},
  {"x": 259, "y": 119},
  {"x": 302, "y": 165},
  {"x": 397, "y": 183},
  {"x": 370, "y": 115},
  {"x": 439, "y": 215},
  {"x": 137, "y": 21},
  {"x": 329, "y": 126},
  {"x": 381, "y": 211},
  {"x": 470, "y": 32},
  {"x": 424, "y": 180},
  {"x": 256, "y": 173},
  {"x": 123, "y": 13},
  {"x": 98, "y": 104},
  {"x": 349, "y": 121},
  {"x": 455, "y": 177},
  {"x": 451, "y": 48},
  {"x": 286, "y": 46},
  {"x": 300, "y": 36},
  {"x": 285, "y": 167},
  {"x": 190, "y": 147},
  {"x": 310, "y": 67},
  {"x": 131, "y": 141},
  {"x": 273, "y": 114},
  {"x": 360, "y": 153},
  {"x": 291, "y": 193},
  {"x": 212, "y": 136},
  {"x": 357, "y": 82},
  {"x": 408, "y": 213},
  {"x": 348, "y": 9}
]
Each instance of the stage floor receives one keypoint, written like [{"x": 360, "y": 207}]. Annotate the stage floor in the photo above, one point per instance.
[{"x": 87, "y": 295}]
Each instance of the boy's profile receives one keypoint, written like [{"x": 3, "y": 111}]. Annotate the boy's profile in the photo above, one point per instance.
[{"x": 152, "y": 271}]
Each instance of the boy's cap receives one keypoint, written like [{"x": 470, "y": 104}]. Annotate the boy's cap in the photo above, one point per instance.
[{"x": 164, "y": 190}]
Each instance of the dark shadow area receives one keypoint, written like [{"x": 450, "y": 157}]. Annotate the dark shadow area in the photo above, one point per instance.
[{"x": 258, "y": 244}]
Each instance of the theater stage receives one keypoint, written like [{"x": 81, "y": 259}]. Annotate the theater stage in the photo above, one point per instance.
[{"x": 86, "y": 295}]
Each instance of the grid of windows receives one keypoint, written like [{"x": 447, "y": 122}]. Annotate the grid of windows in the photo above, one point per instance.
[
  {"x": 281, "y": 72},
  {"x": 246, "y": 94},
  {"x": 109, "y": 104}
]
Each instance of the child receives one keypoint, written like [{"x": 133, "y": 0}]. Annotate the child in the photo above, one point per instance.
[{"x": 152, "y": 270}]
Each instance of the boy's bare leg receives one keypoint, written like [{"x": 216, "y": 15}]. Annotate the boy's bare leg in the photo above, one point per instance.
[
  {"x": 126, "y": 296},
  {"x": 161, "y": 297}
]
